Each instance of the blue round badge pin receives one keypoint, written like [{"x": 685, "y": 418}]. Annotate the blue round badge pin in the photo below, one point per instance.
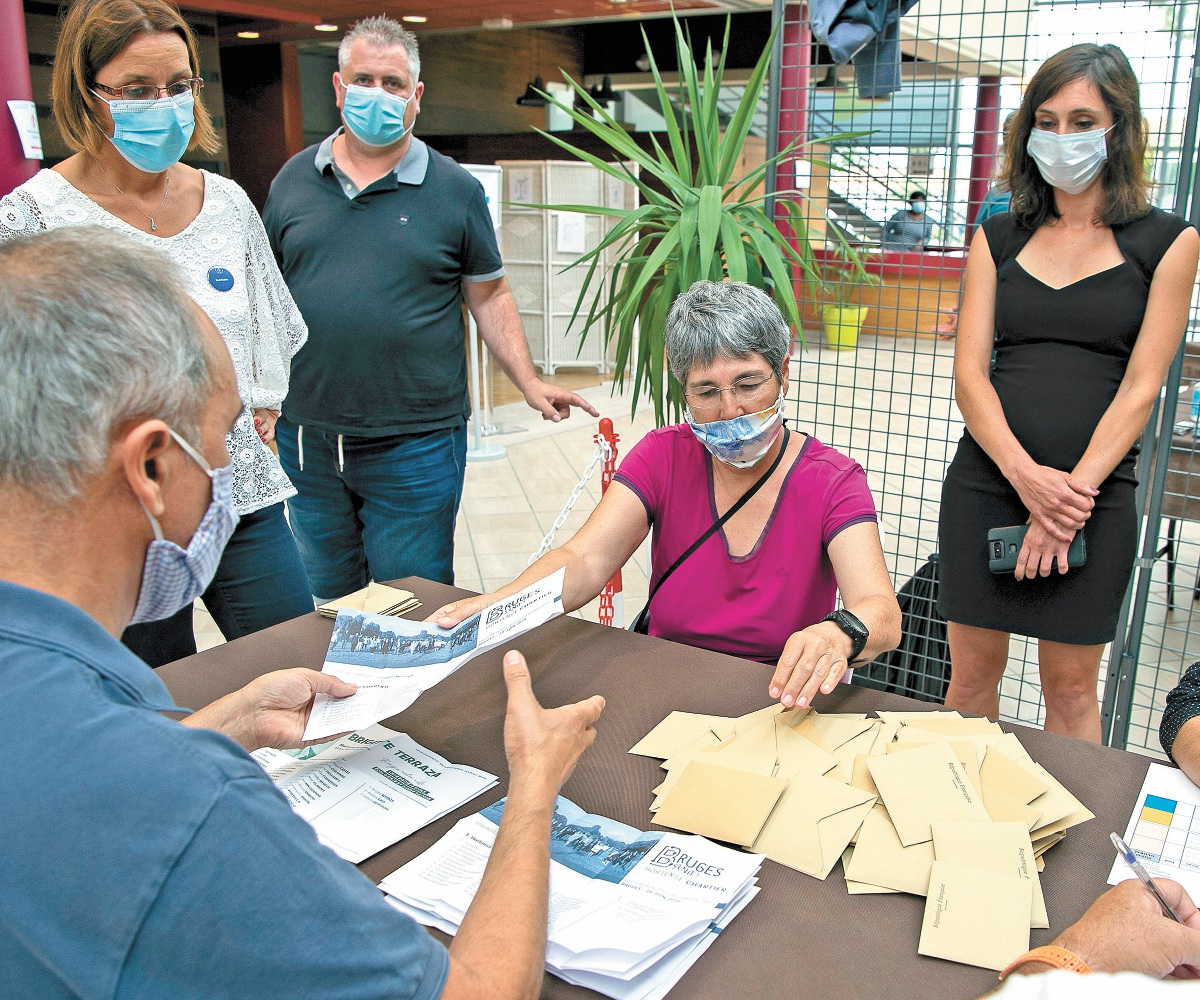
[{"x": 220, "y": 279}]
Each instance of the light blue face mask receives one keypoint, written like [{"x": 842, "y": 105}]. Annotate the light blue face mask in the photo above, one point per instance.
[
  {"x": 375, "y": 116},
  {"x": 741, "y": 441},
  {"x": 173, "y": 577},
  {"x": 152, "y": 135}
]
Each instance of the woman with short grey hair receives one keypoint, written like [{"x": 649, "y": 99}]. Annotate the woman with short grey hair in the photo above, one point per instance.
[{"x": 756, "y": 529}]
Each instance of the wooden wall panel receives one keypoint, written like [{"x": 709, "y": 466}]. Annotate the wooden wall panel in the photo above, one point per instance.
[{"x": 473, "y": 79}]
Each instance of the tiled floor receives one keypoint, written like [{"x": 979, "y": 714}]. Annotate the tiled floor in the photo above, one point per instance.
[{"x": 890, "y": 406}]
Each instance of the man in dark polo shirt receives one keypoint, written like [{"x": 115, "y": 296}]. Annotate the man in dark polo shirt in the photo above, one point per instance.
[{"x": 381, "y": 240}]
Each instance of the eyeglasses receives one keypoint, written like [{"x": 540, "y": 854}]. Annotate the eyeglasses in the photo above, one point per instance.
[
  {"x": 143, "y": 92},
  {"x": 752, "y": 393}
]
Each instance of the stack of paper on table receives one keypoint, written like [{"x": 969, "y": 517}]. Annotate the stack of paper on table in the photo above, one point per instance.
[
  {"x": 370, "y": 789},
  {"x": 630, "y": 911},
  {"x": 393, "y": 660},
  {"x": 927, "y": 803},
  {"x": 373, "y": 599}
]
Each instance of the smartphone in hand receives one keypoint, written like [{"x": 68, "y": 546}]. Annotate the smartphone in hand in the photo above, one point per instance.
[{"x": 1004, "y": 545}]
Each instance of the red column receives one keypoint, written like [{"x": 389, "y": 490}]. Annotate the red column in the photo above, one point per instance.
[
  {"x": 983, "y": 151},
  {"x": 793, "y": 89},
  {"x": 14, "y": 86}
]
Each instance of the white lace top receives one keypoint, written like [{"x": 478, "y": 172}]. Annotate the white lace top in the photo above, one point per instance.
[{"x": 258, "y": 319}]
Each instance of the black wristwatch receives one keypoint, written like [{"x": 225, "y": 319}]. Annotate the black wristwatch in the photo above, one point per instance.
[{"x": 853, "y": 627}]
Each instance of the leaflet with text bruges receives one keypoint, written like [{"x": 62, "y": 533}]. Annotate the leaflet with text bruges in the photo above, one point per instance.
[{"x": 394, "y": 660}]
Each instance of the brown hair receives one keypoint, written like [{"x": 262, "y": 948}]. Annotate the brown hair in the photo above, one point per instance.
[
  {"x": 93, "y": 33},
  {"x": 1123, "y": 177}
]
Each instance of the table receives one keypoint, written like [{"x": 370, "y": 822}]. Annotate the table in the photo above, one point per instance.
[{"x": 800, "y": 936}]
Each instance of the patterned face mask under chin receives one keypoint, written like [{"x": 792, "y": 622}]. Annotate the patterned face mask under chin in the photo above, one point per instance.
[
  {"x": 741, "y": 441},
  {"x": 173, "y": 577}
]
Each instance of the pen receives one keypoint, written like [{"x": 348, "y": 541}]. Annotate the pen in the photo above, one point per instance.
[{"x": 1135, "y": 866}]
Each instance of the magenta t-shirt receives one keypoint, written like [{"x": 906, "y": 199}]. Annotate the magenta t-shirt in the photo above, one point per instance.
[{"x": 747, "y": 605}]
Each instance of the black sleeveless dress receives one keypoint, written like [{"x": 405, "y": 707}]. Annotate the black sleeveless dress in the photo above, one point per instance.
[{"x": 1060, "y": 357}]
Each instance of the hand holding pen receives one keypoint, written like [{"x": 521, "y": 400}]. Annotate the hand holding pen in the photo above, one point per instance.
[{"x": 1130, "y": 859}]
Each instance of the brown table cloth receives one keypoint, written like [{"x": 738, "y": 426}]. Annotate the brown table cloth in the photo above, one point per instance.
[{"x": 800, "y": 937}]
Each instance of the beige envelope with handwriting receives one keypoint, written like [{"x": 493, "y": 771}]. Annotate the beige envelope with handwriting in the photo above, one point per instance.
[
  {"x": 721, "y": 803},
  {"x": 812, "y": 823},
  {"x": 975, "y": 916},
  {"x": 676, "y": 732},
  {"x": 923, "y": 786},
  {"x": 880, "y": 859},
  {"x": 1003, "y": 848}
]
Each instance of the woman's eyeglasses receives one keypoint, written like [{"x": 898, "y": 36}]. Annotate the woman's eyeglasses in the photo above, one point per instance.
[
  {"x": 143, "y": 92},
  {"x": 752, "y": 393}
]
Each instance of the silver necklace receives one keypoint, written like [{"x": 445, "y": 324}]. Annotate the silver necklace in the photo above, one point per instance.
[{"x": 166, "y": 188}]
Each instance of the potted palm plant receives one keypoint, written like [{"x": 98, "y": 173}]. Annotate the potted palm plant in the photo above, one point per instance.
[{"x": 697, "y": 222}]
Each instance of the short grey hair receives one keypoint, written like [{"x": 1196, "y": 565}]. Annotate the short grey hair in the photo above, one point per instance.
[
  {"x": 95, "y": 330},
  {"x": 724, "y": 319},
  {"x": 381, "y": 30}
]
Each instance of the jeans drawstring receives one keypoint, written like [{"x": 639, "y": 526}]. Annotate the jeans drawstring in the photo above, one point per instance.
[
  {"x": 300, "y": 444},
  {"x": 341, "y": 456}
]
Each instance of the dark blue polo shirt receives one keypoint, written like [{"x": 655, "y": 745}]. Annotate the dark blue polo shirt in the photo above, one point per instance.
[
  {"x": 140, "y": 858},
  {"x": 378, "y": 276}
]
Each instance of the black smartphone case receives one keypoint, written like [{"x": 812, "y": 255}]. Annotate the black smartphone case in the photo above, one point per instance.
[{"x": 1004, "y": 545}]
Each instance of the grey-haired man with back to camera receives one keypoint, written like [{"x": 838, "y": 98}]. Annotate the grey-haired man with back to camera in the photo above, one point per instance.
[{"x": 145, "y": 858}]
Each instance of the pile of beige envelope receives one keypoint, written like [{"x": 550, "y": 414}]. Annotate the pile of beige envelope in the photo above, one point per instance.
[
  {"x": 927, "y": 803},
  {"x": 373, "y": 599}
]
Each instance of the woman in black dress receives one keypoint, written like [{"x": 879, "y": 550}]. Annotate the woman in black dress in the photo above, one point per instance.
[{"x": 1082, "y": 290}]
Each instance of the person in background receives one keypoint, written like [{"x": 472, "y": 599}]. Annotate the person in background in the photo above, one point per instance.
[
  {"x": 127, "y": 99},
  {"x": 144, "y": 857},
  {"x": 1179, "y": 731},
  {"x": 1082, "y": 290},
  {"x": 1115, "y": 951},
  {"x": 765, "y": 585},
  {"x": 382, "y": 240},
  {"x": 911, "y": 228},
  {"x": 995, "y": 202}
]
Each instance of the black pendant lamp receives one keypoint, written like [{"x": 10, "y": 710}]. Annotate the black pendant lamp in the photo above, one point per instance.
[
  {"x": 531, "y": 98},
  {"x": 604, "y": 93}
]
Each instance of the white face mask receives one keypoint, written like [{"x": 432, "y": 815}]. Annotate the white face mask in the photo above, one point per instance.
[
  {"x": 741, "y": 441},
  {"x": 1069, "y": 162}
]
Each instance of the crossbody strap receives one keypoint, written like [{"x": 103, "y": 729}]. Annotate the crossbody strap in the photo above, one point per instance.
[{"x": 716, "y": 526}]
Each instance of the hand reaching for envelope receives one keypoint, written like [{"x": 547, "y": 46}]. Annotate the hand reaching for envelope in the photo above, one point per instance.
[{"x": 814, "y": 659}]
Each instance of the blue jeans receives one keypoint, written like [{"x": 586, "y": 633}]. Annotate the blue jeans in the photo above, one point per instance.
[
  {"x": 383, "y": 509},
  {"x": 260, "y": 582}
]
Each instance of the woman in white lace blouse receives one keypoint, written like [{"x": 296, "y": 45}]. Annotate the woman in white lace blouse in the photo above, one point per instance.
[{"x": 126, "y": 94}]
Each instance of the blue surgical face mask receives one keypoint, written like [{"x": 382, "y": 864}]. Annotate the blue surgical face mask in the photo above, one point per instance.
[
  {"x": 917, "y": 206},
  {"x": 741, "y": 441},
  {"x": 173, "y": 577},
  {"x": 375, "y": 116},
  {"x": 152, "y": 135}
]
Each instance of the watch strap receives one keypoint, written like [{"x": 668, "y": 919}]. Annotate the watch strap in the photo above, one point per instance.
[
  {"x": 1053, "y": 956},
  {"x": 855, "y": 630}
]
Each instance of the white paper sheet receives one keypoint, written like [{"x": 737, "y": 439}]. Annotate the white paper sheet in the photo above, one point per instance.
[
  {"x": 24, "y": 114},
  {"x": 630, "y": 911},
  {"x": 371, "y": 789},
  {"x": 572, "y": 232},
  {"x": 394, "y": 660},
  {"x": 1164, "y": 830}
]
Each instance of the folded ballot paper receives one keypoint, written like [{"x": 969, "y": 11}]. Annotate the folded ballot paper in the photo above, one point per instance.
[
  {"x": 370, "y": 789},
  {"x": 374, "y": 599},
  {"x": 630, "y": 911},
  {"x": 393, "y": 660},
  {"x": 926, "y": 803}
]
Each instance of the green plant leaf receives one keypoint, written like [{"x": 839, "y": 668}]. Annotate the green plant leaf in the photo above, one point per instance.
[
  {"x": 683, "y": 160},
  {"x": 735, "y": 248},
  {"x": 709, "y": 224}
]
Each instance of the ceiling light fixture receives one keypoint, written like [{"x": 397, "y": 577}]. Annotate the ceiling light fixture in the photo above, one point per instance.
[
  {"x": 414, "y": 18},
  {"x": 531, "y": 98},
  {"x": 604, "y": 94},
  {"x": 325, "y": 27},
  {"x": 247, "y": 34}
]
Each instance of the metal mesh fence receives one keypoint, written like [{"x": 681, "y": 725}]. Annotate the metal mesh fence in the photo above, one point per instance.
[{"x": 931, "y": 95}]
